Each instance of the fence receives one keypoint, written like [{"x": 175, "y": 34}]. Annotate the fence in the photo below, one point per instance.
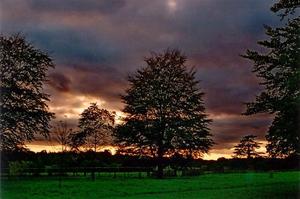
[
  {"x": 78, "y": 171},
  {"x": 93, "y": 172}
]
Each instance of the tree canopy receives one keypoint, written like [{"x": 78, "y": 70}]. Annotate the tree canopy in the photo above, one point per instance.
[
  {"x": 288, "y": 7},
  {"x": 164, "y": 109},
  {"x": 247, "y": 147},
  {"x": 24, "y": 112},
  {"x": 279, "y": 72},
  {"x": 96, "y": 126}
]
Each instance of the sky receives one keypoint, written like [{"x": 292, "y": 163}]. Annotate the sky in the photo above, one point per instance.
[{"x": 96, "y": 44}]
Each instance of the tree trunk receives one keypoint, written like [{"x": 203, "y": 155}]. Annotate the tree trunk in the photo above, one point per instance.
[
  {"x": 160, "y": 166},
  {"x": 248, "y": 153},
  {"x": 94, "y": 164},
  {"x": 95, "y": 142},
  {"x": 160, "y": 171}
]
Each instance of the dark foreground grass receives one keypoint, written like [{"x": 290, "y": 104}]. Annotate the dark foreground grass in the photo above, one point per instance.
[{"x": 238, "y": 185}]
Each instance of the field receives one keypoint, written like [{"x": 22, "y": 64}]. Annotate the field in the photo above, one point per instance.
[{"x": 237, "y": 185}]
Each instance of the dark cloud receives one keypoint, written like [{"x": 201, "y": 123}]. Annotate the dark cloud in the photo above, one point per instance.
[
  {"x": 77, "y": 5},
  {"x": 59, "y": 82},
  {"x": 106, "y": 84},
  {"x": 228, "y": 129},
  {"x": 72, "y": 47}
]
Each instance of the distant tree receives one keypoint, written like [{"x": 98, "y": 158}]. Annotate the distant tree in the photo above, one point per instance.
[
  {"x": 24, "y": 112},
  {"x": 61, "y": 134},
  {"x": 246, "y": 147},
  {"x": 279, "y": 70},
  {"x": 164, "y": 110},
  {"x": 96, "y": 126}
]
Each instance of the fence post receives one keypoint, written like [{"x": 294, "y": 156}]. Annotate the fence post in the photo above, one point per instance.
[
  {"x": 93, "y": 174},
  {"x": 59, "y": 177}
]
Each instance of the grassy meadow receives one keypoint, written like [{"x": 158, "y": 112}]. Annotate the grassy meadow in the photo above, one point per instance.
[{"x": 234, "y": 185}]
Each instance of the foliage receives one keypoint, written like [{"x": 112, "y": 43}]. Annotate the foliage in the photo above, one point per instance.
[
  {"x": 288, "y": 6},
  {"x": 164, "y": 109},
  {"x": 76, "y": 140},
  {"x": 247, "y": 147},
  {"x": 96, "y": 126},
  {"x": 279, "y": 71},
  {"x": 283, "y": 135},
  {"x": 24, "y": 112},
  {"x": 17, "y": 168}
]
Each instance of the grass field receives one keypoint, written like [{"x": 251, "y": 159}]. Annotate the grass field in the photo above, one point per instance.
[{"x": 239, "y": 185}]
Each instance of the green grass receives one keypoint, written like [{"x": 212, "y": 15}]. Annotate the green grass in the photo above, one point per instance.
[{"x": 238, "y": 185}]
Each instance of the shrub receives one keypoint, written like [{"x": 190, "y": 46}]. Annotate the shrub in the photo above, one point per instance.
[{"x": 17, "y": 168}]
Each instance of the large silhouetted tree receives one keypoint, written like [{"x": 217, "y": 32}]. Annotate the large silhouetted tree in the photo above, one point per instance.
[
  {"x": 164, "y": 110},
  {"x": 24, "y": 112},
  {"x": 96, "y": 126},
  {"x": 247, "y": 147},
  {"x": 279, "y": 71}
]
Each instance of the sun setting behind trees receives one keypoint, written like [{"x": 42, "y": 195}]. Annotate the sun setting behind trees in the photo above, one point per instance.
[
  {"x": 64, "y": 113},
  {"x": 101, "y": 99},
  {"x": 69, "y": 96}
]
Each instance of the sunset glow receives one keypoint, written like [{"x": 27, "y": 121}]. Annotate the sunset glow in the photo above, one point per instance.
[
  {"x": 54, "y": 147},
  {"x": 212, "y": 155}
]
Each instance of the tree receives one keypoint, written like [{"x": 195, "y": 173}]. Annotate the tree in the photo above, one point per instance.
[
  {"x": 164, "y": 110},
  {"x": 279, "y": 71},
  {"x": 96, "y": 126},
  {"x": 24, "y": 112},
  {"x": 288, "y": 6},
  {"x": 62, "y": 134},
  {"x": 246, "y": 147},
  {"x": 76, "y": 140}
]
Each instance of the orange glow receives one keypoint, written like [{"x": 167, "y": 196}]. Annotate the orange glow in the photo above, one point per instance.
[
  {"x": 74, "y": 112},
  {"x": 39, "y": 148},
  {"x": 214, "y": 154},
  {"x": 68, "y": 111},
  {"x": 54, "y": 147}
]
